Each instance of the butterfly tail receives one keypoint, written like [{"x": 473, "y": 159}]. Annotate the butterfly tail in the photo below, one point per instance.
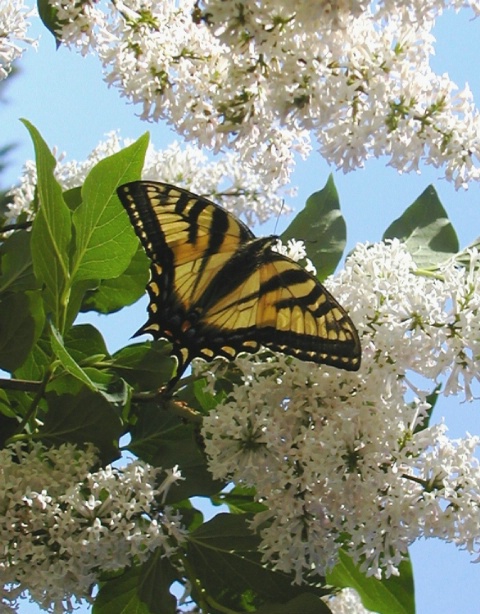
[{"x": 183, "y": 362}]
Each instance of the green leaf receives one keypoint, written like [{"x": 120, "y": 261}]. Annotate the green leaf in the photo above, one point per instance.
[
  {"x": 322, "y": 227},
  {"x": 463, "y": 257},
  {"x": 76, "y": 298},
  {"x": 67, "y": 361},
  {"x": 191, "y": 517},
  {"x": 105, "y": 242},
  {"x": 18, "y": 405},
  {"x": 73, "y": 198},
  {"x": 16, "y": 263},
  {"x": 139, "y": 590},
  {"x": 115, "y": 391},
  {"x": 240, "y": 500},
  {"x": 426, "y": 231},
  {"x": 89, "y": 348},
  {"x": 224, "y": 556},
  {"x": 163, "y": 439},
  {"x": 432, "y": 399},
  {"x": 156, "y": 578},
  {"x": 110, "y": 295},
  {"x": 194, "y": 395},
  {"x": 48, "y": 15},
  {"x": 82, "y": 417},
  {"x": 84, "y": 341},
  {"x": 394, "y": 595},
  {"x": 120, "y": 595},
  {"x": 51, "y": 233},
  {"x": 37, "y": 361},
  {"x": 207, "y": 400},
  {"x": 8, "y": 422},
  {"x": 21, "y": 323},
  {"x": 146, "y": 366}
]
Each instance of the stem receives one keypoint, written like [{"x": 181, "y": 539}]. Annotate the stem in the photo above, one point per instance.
[
  {"x": 174, "y": 406},
  {"x": 35, "y": 402},
  {"x": 183, "y": 410},
  {"x": 24, "y": 385},
  {"x": 10, "y": 227},
  {"x": 219, "y": 607},
  {"x": 202, "y": 604},
  {"x": 429, "y": 273}
]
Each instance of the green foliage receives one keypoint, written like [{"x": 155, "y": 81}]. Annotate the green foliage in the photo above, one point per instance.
[
  {"x": 161, "y": 437},
  {"x": 143, "y": 589},
  {"x": 146, "y": 366},
  {"x": 48, "y": 15},
  {"x": 322, "y": 227},
  {"x": 16, "y": 257},
  {"x": 104, "y": 243},
  {"x": 65, "y": 386},
  {"x": 426, "y": 230},
  {"x": 21, "y": 322},
  {"x": 51, "y": 234},
  {"x": 240, "y": 500},
  {"x": 463, "y": 257},
  {"x": 80, "y": 417},
  {"x": 224, "y": 555},
  {"x": 110, "y": 295},
  {"x": 393, "y": 595},
  {"x": 75, "y": 243}
]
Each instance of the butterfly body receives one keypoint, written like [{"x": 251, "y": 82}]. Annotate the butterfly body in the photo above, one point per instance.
[{"x": 217, "y": 290}]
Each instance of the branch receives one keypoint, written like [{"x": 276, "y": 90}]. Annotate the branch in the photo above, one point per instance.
[
  {"x": 24, "y": 385},
  {"x": 20, "y": 226}
]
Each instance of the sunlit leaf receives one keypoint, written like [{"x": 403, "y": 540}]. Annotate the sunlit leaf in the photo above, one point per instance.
[
  {"x": 67, "y": 361},
  {"x": 322, "y": 227},
  {"x": 51, "y": 232},
  {"x": 105, "y": 243},
  {"x": 394, "y": 595},
  {"x": 426, "y": 231},
  {"x": 110, "y": 295}
]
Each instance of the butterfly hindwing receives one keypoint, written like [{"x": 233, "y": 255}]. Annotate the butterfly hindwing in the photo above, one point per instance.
[
  {"x": 283, "y": 307},
  {"x": 216, "y": 290}
]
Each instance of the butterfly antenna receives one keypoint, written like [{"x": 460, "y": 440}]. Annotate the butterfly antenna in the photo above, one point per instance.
[{"x": 278, "y": 217}]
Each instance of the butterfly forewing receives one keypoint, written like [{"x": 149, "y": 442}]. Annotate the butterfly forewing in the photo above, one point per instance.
[
  {"x": 175, "y": 225},
  {"x": 216, "y": 290}
]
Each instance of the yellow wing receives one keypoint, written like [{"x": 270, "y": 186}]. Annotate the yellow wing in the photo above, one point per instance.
[
  {"x": 286, "y": 309},
  {"x": 216, "y": 290}
]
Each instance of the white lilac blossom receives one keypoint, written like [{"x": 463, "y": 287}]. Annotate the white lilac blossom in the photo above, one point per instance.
[
  {"x": 14, "y": 24},
  {"x": 225, "y": 180},
  {"x": 263, "y": 78},
  {"x": 346, "y": 601},
  {"x": 345, "y": 459},
  {"x": 296, "y": 250},
  {"x": 60, "y": 530}
]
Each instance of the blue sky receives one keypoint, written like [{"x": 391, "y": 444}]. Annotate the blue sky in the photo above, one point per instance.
[{"x": 64, "y": 96}]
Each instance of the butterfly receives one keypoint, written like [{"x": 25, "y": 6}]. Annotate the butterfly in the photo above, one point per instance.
[{"x": 217, "y": 290}]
